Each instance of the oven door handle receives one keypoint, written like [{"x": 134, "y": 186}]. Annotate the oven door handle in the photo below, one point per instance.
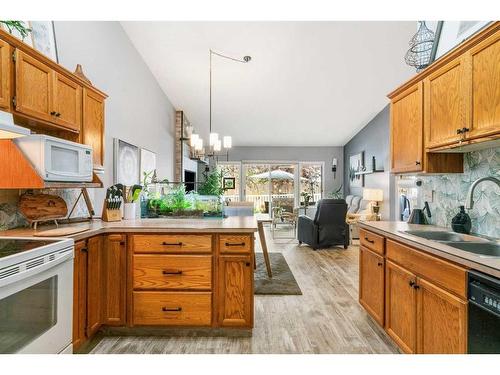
[{"x": 60, "y": 258}]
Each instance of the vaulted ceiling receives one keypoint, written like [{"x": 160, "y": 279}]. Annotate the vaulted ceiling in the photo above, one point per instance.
[{"x": 308, "y": 84}]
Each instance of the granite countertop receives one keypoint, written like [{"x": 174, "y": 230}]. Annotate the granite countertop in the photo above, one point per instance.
[
  {"x": 396, "y": 230},
  {"x": 234, "y": 224}
]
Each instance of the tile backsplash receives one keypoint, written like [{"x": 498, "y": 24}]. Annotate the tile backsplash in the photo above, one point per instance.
[{"x": 450, "y": 191}]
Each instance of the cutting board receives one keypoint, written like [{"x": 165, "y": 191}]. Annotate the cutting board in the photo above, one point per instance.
[
  {"x": 59, "y": 232},
  {"x": 39, "y": 207}
]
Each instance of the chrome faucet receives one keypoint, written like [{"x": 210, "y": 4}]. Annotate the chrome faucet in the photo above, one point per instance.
[{"x": 469, "y": 200}]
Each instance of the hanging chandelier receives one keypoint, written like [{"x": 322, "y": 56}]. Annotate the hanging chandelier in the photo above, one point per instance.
[{"x": 215, "y": 144}]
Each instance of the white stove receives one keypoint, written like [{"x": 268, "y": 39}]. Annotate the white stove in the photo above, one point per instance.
[{"x": 36, "y": 295}]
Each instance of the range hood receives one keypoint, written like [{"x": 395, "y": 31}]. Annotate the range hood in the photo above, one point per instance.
[{"x": 9, "y": 130}]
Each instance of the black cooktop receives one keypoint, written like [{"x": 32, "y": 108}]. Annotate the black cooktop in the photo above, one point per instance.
[{"x": 15, "y": 245}]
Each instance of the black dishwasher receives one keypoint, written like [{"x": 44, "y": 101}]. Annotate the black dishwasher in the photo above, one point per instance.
[{"x": 484, "y": 314}]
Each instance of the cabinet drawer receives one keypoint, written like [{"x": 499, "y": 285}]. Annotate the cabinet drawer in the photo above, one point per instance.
[
  {"x": 173, "y": 308},
  {"x": 172, "y": 243},
  {"x": 173, "y": 272},
  {"x": 438, "y": 271},
  {"x": 236, "y": 244},
  {"x": 371, "y": 241}
]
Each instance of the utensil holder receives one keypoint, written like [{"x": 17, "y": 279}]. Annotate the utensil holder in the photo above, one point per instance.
[{"x": 129, "y": 211}]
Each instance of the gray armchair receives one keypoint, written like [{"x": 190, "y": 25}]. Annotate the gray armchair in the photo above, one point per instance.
[{"x": 329, "y": 227}]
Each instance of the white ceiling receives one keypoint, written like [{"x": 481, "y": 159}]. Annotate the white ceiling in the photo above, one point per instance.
[{"x": 308, "y": 84}]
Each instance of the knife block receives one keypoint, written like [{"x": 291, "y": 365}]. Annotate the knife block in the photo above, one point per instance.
[{"x": 111, "y": 214}]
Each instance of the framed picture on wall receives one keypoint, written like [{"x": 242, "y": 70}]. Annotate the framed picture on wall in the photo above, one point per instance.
[
  {"x": 125, "y": 163},
  {"x": 450, "y": 34},
  {"x": 356, "y": 164},
  {"x": 44, "y": 38},
  {"x": 228, "y": 183},
  {"x": 148, "y": 162}
]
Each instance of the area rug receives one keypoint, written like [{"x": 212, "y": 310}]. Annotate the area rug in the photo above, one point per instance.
[{"x": 282, "y": 283}]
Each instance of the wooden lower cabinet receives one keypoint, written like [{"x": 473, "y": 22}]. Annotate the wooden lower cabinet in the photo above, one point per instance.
[
  {"x": 371, "y": 283},
  {"x": 79, "y": 294},
  {"x": 115, "y": 280},
  {"x": 425, "y": 304},
  {"x": 441, "y": 321},
  {"x": 94, "y": 284},
  {"x": 400, "y": 307},
  {"x": 235, "y": 293},
  {"x": 173, "y": 308}
]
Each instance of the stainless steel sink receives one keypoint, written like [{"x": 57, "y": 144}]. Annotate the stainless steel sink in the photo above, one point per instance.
[
  {"x": 437, "y": 235},
  {"x": 484, "y": 249},
  {"x": 472, "y": 244}
]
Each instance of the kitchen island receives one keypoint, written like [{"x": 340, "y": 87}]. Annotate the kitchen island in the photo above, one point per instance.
[{"x": 161, "y": 274}]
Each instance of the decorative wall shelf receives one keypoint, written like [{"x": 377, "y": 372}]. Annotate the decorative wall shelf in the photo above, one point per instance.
[{"x": 370, "y": 171}]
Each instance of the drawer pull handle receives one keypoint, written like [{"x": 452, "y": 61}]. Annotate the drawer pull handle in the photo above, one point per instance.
[
  {"x": 412, "y": 284},
  {"x": 172, "y": 272},
  {"x": 171, "y": 309},
  {"x": 171, "y": 244},
  {"x": 368, "y": 240},
  {"x": 380, "y": 264},
  {"x": 235, "y": 244}
]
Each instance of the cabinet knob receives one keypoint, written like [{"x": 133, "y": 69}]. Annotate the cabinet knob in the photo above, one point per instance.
[
  {"x": 459, "y": 131},
  {"x": 247, "y": 264},
  {"x": 417, "y": 162},
  {"x": 53, "y": 113},
  {"x": 412, "y": 283},
  {"x": 380, "y": 264},
  {"x": 58, "y": 114}
]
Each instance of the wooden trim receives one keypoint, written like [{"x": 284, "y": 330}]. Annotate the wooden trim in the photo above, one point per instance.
[
  {"x": 5, "y": 75},
  {"x": 16, "y": 43},
  {"x": 454, "y": 53},
  {"x": 16, "y": 172}
]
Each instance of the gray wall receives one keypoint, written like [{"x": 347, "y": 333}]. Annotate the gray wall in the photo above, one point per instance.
[
  {"x": 137, "y": 110},
  {"x": 324, "y": 154},
  {"x": 373, "y": 139}
]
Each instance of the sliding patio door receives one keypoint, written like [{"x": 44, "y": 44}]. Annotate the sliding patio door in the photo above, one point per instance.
[{"x": 256, "y": 186}]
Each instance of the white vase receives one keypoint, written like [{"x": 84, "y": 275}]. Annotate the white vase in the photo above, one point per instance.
[{"x": 129, "y": 211}]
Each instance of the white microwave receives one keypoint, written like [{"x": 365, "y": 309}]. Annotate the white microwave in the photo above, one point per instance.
[{"x": 57, "y": 159}]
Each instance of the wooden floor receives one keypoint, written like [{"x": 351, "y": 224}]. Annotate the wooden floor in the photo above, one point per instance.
[{"x": 327, "y": 318}]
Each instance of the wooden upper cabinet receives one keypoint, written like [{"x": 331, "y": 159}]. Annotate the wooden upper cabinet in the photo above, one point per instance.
[
  {"x": 371, "y": 283},
  {"x": 400, "y": 308},
  {"x": 235, "y": 291},
  {"x": 67, "y": 102},
  {"x": 5, "y": 59},
  {"x": 442, "y": 320},
  {"x": 407, "y": 130},
  {"x": 446, "y": 106},
  {"x": 93, "y": 124},
  {"x": 34, "y": 87},
  {"x": 484, "y": 62}
]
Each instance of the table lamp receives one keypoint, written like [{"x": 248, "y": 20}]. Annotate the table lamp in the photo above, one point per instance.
[{"x": 374, "y": 196}]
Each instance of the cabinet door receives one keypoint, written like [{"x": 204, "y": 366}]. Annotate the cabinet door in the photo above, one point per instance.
[
  {"x": 235, "y": 291},
  {"x": 34, "y": 87},
  {"x": 407, "y": 130},
  {"x": 484, "y": 62},
  {"x": 442, "y": 320},
  {"x": 67, "y": 102},
  {"x": 371, "y": 283},
  {"x": 400, "y": 307},
  {"x": 115, "y": 277},
  {"x": 94, "y": 284},
  {"x": 446, "y": 104},
  {"x": 93, "y": 124},
  {"x": 5, "y": 59},
  {"x": 79, "y": 294}
]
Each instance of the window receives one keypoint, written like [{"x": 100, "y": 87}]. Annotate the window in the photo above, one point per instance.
[{"x": 311, "y": 182}]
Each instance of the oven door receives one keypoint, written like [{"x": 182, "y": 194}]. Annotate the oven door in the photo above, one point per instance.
[
  {"x": 67, "y": 162},
  {"x": 36, "y": 307}
]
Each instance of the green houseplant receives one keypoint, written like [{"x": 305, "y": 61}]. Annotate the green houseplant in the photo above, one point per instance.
[{"x": 17, "y": 26}]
